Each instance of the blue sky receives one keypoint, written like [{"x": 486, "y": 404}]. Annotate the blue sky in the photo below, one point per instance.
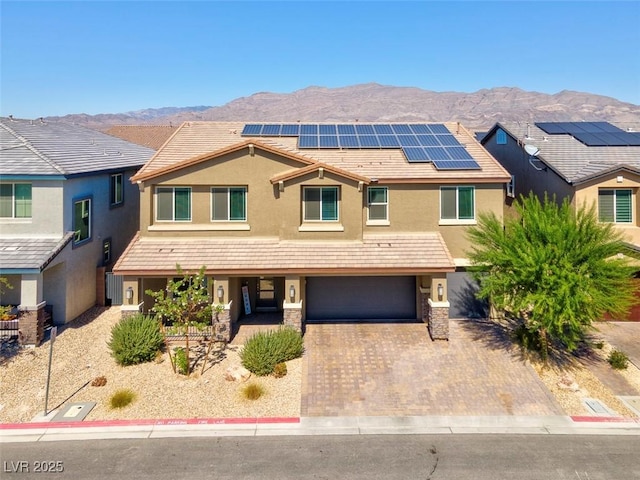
[{"x": 111, "y": 57}]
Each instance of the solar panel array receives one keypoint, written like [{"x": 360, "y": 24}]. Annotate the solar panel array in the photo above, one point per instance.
[
  {"x": 419, "y": 142},
  {"x": 593, "y": 134}
]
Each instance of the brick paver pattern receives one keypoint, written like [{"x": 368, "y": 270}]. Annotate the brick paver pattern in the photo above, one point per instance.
[{"x": 397, "y": 370}]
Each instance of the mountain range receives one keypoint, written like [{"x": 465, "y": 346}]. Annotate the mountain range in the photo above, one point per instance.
[{"x": 372, "y": 102}]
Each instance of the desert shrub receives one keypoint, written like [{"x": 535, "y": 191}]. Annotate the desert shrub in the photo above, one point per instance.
[
  {"x": 182, "y": 362},
  {"x": 252, "y": 391},
  {"x": 264, "y": 350},
  {"x": 135, "y": 340},
  {"x": 99, "y": 381},
  {"x": 122, "y": 398},
  {"x": 618, "y": 360},
  {"x": 280, "y": 370}
]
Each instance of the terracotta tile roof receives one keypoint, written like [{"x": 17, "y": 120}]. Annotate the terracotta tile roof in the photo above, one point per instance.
[
  {"x": 197, "y": 139},
  {"x": 151, "y": 136},
  {"x": 375, "y": 254}
]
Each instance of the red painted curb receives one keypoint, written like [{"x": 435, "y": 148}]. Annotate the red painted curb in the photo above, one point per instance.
[
  {"x": 579, "y": 418},
  {"x": 143, "y": 422}
]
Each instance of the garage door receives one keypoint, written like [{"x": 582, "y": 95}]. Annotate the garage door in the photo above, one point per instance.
[{"x": 361, "y": 298}]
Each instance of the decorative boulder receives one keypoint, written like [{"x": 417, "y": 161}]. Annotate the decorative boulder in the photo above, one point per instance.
[{"x": 237, "y": 373}]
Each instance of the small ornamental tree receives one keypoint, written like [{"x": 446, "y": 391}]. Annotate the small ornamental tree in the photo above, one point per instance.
[
  {"x": 184, "y": 303},
  {"x": 556, "y": 267}
]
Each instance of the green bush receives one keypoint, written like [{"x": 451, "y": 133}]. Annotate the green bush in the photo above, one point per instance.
[
  {"x": 182, "y": 362},
  {"x": 618, "y": 360},
  {"x": 135, "y": 340},
  {"x": 264, "y": 350},
  {"x": 253, "y": 391},
  {"x": 122, "y": 398}
]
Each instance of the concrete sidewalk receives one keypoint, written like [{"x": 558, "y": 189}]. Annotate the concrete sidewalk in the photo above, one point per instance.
[{"x": 440, "y": 425}]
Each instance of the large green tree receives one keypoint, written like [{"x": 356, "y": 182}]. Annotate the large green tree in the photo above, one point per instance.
[{"x": 555, "y": 267}]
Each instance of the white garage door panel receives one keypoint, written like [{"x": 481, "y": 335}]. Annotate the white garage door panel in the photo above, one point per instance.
[{"x": 361, "y": 298}]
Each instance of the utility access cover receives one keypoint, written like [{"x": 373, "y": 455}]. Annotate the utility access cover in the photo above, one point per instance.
[
  {"x": 632, "y": 402},
  {"x": 596, "y": 406},
  {"x": 74, "y": 412}
]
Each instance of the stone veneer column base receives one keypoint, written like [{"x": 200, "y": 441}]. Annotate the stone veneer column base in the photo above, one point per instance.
[
  {"x": 222, "y": 323},
  {"x": 31, "y": 324},
  {"x": 438, "y": 320},
  {"x": 292, "y": 315},
  {"x": 130, "y": 310}
]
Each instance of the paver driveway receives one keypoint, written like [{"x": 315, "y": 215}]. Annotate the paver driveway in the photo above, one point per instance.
[{"x": 396, "y": 370}]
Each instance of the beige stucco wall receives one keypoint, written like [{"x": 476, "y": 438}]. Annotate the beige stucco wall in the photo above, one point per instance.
[{"x": 587, "y": 194}]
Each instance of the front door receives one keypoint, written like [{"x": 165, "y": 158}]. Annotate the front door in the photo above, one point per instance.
[{"x": 266, "y": 297}]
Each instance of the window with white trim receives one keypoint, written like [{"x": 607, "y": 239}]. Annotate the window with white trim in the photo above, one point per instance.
[
  {"x": 378, "y": 203},
  {"x": 81, "y": 220},
  {"x": 614, "y": 205},
  {"x": 173, "y": 204},
  {"x": 320, "y": 204},
  {"x": 15, "y": 200},
  {"x": 457, "y": 203},
  {"x": 229, "y": 204},
  {"x": 116, "y": 189}
]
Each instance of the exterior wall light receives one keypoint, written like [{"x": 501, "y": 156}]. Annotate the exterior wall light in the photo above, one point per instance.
[
  {"x": 220, "y": 293},
  {"x": 292, "y": 293},
  {"x": 440, "y": 291},
  {"x": 129, "y": 294}
]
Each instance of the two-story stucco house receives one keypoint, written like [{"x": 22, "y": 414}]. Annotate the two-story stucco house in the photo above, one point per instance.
[
  {"x": 321, "y": 222},
  {"x": 67, "y": 207},
  {"x": 591, "y": 163}
]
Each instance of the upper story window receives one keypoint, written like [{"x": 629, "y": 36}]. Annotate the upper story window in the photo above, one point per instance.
[
  {"x": 82, "y": 220},
  {"x": 15, "y": 200},
  {"x": 229, "y": 204},
  {"x": 614, "y": 205},
  {"x": 457, "y": 204},
  {"x": 378, "y": 203},
  {"x": 116, "y": 189},
  {"x": 173, "y": 204},
  {"x": 501, "y": 137},
  {"x": 320, "y": 204}
]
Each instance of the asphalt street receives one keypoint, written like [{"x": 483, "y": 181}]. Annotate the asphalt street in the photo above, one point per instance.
[{"x": 371, "y": 457}]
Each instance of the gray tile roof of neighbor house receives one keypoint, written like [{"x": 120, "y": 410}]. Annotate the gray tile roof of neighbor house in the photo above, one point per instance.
[
  {"x": 30, "y": 253},
  {"x": 569, "y": 157},
  {"x": 35, "y": 147}
]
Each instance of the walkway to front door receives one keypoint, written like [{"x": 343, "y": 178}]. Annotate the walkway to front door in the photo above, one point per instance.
[{"x": 396, "y": 370}]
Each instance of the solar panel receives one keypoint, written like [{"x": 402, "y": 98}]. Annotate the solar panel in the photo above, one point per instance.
[
  {"x": 271, "y": 130},
  {"x": 607, "y": 127},
  {"x": 328, "y": 141},
  {"x": 458, "y": 153},
  {"x": 448, "y": 140},
  {"x": 415, "y": 154},
  {"x": 437, "y": 153},
  {"x": 346, "y": 129},
  {"x": 327, "y": 130},
  {"x": 388, "y": 141},
  {"x": 308, "y": 129},
  {"x": 290, "y": 130},
  {"x": 634, "y": 139},
  {"x": 420, "y": 128},
  {"x": 308, "y": 141},
  {"x": 428, "y": 140},
  {"x": 439, "y": 128},
  {"x": 252, "y": 129},
  {"x": 551, "y": 128},
  {"x": 369, "y": 141},
  {"x": 401, "y": 129},
  {"x": 383, "y": 129},
  {"x": 456, "y": 165},
  {"x": 408, "y": 141},
  {"x": 365, "y": 129},
  {"x": 348, "y": 141}
]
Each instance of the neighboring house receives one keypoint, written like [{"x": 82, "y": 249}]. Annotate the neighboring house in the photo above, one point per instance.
[
  {"x": 591, "y": 163},
  {"x": 317, "y": 221},
  {"x": 67, "y": 207},
  {"x": 151, "y": 136}
]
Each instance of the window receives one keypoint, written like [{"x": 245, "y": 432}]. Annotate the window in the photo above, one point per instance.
[
  {"x": 378, "y": 203},
  {"x": 614, "y": 205},
  {"x": 511, "y": 187},
  {"x": 116, "y": 190},
  {"x": 82, "y": 220},
  {"x": 173, "y": 204},
  {"x": 320, "y": 204},
  {"x": 229, "y": 204},
  {"x": 106, "y": 252},
  {"x": 457, "y": 203},
  {"x": 15, "y": 200},
  {"x": 501, "y": 137}
]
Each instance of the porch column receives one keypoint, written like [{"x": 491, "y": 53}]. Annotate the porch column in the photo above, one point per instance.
[
  {"x": 131, "y": 303},
  {"x": 292, "y": 304},
  {"x": 438, "y": 309},
  {"x": 222, "y": 309},
  {"x": 31, "y": 310}
]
